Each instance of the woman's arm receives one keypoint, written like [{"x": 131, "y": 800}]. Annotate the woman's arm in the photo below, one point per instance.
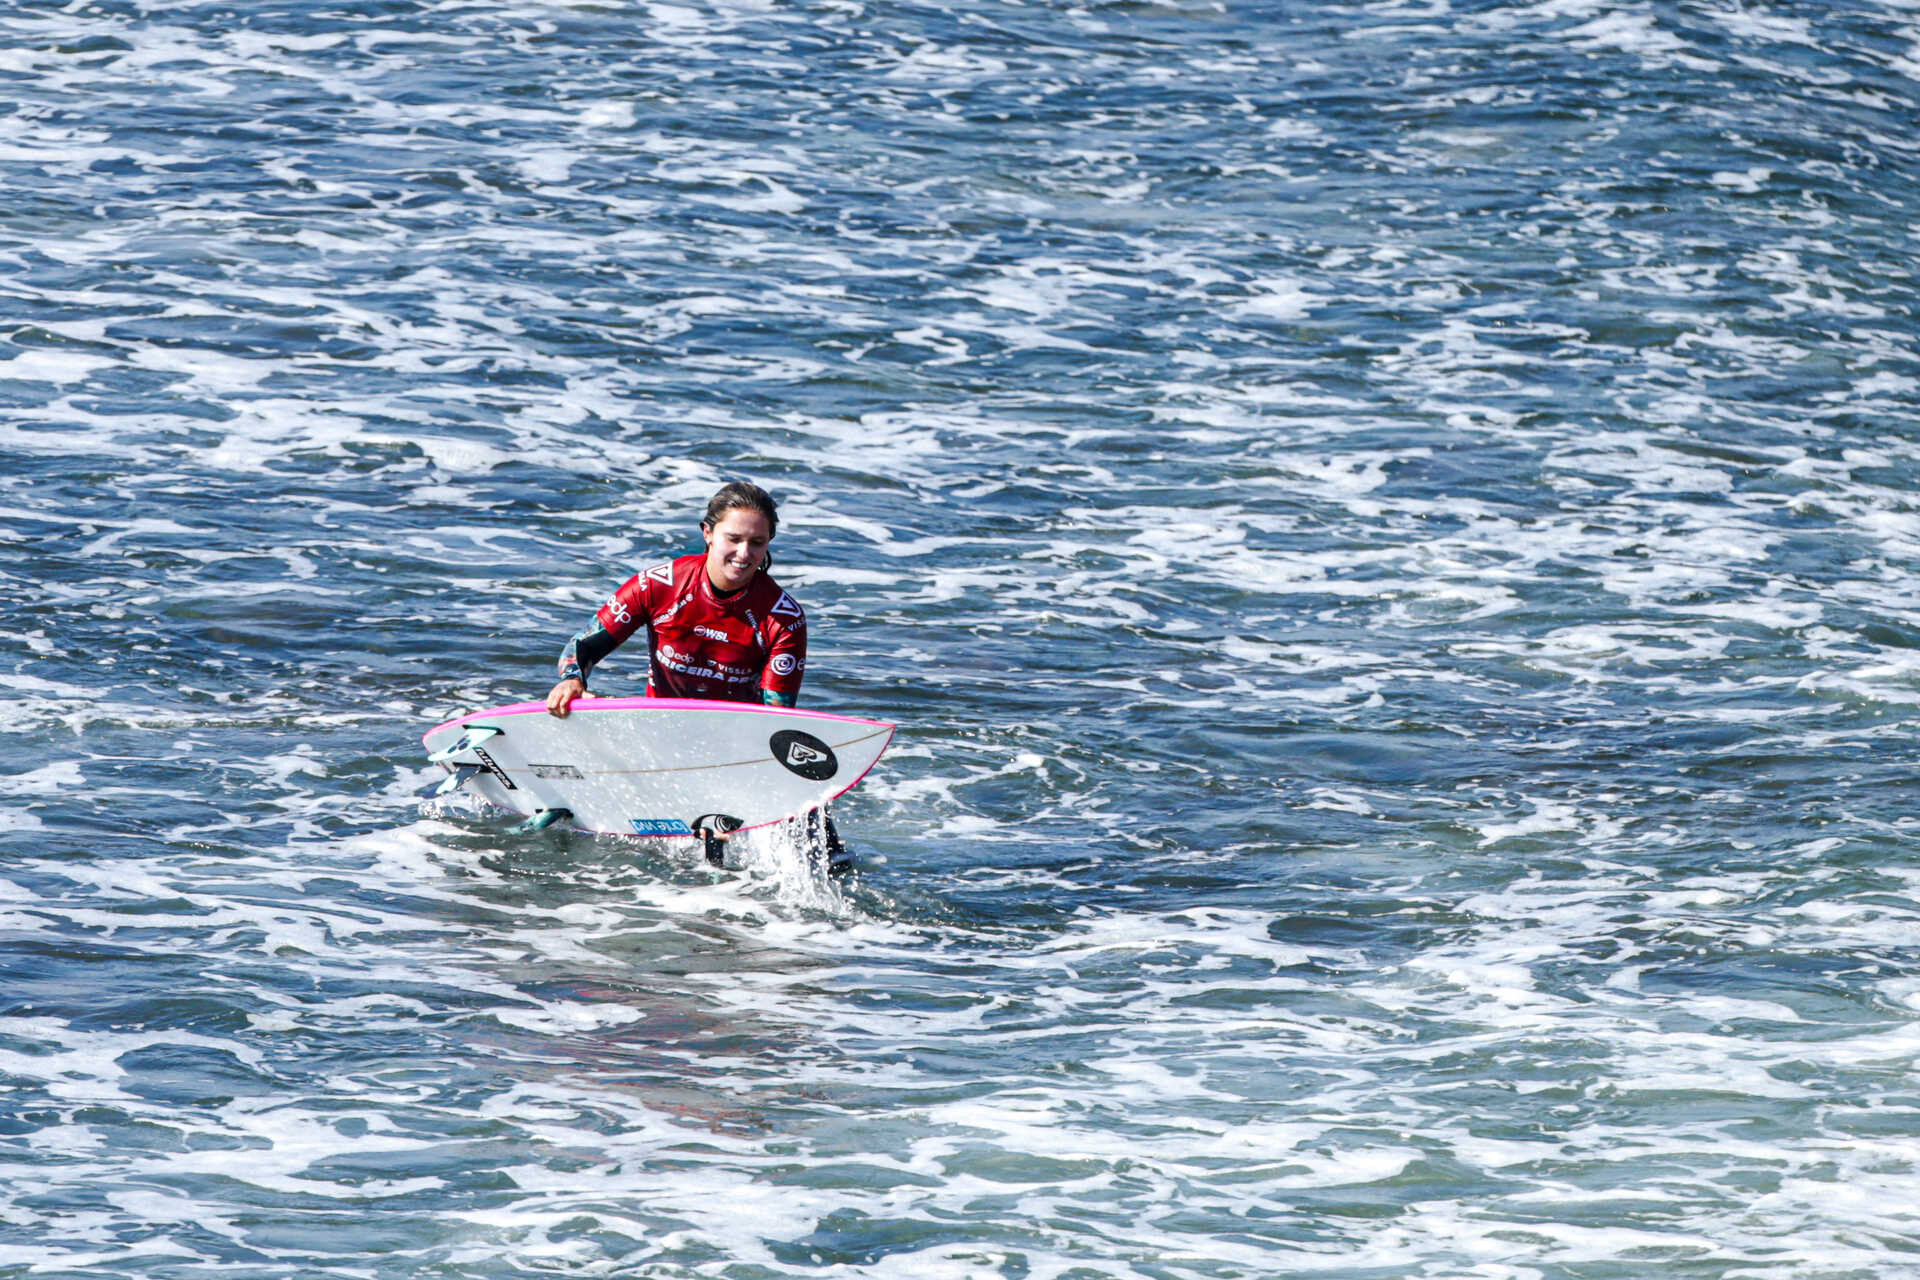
[
  {"x": 625, "y": 611},
  {"x": 784, "y": 631}
]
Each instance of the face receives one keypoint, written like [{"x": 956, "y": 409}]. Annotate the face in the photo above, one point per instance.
[{"x": 735, "y": 548}]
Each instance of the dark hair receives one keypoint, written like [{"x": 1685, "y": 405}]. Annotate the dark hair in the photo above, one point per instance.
[{"x": 741, "y": 494}]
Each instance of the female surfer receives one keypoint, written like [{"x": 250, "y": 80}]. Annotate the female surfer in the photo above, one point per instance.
[{"x": 717, "y": 627}]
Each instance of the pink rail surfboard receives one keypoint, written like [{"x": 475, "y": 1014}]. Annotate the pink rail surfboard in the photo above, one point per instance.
[{"x": 656, "y": 766}]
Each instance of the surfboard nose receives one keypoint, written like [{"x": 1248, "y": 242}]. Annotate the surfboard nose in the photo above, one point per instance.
[{"x": 800, "y": 752}]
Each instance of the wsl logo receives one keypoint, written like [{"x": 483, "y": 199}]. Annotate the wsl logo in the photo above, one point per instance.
[{"x": 804, "y": 754}]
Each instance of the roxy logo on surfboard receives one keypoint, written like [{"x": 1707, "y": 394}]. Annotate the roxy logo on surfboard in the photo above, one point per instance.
[{"x": 804, "y": 754}]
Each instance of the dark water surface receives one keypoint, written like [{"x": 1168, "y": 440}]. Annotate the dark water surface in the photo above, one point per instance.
[{"x": 1388, "y": 531}]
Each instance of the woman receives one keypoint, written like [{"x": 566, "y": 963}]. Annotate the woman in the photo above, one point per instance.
[{"x": 717, "y": 626}]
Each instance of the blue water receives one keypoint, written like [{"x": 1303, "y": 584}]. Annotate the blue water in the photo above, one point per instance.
[{"x": 1388, "y": 530}]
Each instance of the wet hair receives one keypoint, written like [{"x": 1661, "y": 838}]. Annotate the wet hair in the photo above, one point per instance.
[{"x": 741, "y": 494}]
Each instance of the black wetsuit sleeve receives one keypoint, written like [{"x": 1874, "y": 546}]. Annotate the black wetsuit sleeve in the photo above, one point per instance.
[{"x": 586, "y": 650}]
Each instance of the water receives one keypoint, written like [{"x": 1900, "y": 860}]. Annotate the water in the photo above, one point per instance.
[{"x": 1388, "y": 531}]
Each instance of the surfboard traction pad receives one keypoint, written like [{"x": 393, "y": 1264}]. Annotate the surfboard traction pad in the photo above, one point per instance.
[{"x": 800, "y": 753}]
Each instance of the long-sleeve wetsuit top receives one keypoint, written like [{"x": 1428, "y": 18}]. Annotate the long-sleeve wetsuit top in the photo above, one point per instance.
[{"x": 750, "y": 646}]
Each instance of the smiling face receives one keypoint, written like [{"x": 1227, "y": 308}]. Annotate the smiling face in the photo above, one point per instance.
[{"x": 736, "y": 546}]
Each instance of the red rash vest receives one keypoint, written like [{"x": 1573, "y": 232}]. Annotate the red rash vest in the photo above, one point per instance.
[{"x": 750, "y": 646}]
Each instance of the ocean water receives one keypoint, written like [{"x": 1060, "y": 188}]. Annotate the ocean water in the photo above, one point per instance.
[{"x": 1388, "y": 531}]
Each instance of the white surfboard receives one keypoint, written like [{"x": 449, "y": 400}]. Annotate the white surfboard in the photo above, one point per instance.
[{"x": 657, "y": 766}]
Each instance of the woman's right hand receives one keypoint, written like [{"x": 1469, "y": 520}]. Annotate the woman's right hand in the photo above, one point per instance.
[{"x": 560, "y": 701}]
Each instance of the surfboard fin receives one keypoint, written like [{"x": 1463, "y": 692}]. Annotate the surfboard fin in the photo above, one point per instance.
[
  {"x": 459, "y": 778},
  {"x": 542, "y": 820},
  {"x": 474, "y": 736}
]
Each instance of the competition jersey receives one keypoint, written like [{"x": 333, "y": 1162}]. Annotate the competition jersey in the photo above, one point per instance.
[{"x": 750, "y": 646}]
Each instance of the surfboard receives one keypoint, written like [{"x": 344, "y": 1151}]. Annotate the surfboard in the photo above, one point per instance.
[{"x": 656, "y": 766}]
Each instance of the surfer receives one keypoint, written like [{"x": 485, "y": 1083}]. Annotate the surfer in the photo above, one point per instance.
[{"x": 718, "y": 626}]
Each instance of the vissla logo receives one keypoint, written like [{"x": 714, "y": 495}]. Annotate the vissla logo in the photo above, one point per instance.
[
  {"x": 804, "y": 754},
  {"x": 784, "y": 664}
]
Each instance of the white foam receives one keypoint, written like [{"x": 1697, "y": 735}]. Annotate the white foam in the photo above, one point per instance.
[
  {"x": 60, "y": 368},
  {"x": 1277, "y": 299},
  {"x": 48, "y": 780}
]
